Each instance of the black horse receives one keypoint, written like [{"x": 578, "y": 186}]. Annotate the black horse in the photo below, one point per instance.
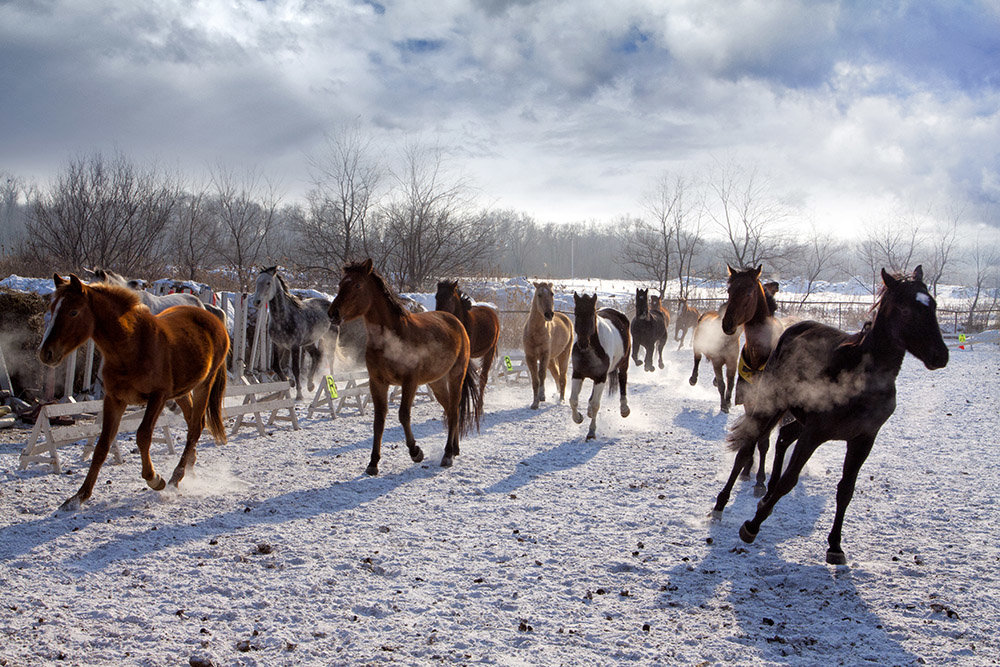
[
  {"x": 649, "y": 329},
  {"x": 838, "y": 386}
]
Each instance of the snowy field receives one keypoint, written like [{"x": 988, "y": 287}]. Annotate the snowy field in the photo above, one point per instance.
[{"x": 536, "y": 548}]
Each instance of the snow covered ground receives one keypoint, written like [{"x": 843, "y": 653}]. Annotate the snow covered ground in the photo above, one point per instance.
[{"x": 535, "y": 548}]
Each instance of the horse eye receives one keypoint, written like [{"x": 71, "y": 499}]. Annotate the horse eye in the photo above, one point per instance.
[{"x": 74, "y": 313}]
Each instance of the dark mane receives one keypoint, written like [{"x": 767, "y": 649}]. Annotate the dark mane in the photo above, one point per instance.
[
  {"x": 395, "y": 305},
  {"x": 464, "y": 299},
  {"x": 284, "y": 288}
]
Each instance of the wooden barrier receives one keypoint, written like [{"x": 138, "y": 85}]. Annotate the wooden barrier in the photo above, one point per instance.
[
  {"x": 269, "y": 397},
  {"x": 511, "y": 367},
  {"x": 338, "y": 392}
]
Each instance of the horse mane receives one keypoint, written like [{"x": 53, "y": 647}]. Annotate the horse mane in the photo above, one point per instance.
[
  {"x": 464, "y": 299},
  {"x": 396, "y": 306},
  {"x": 284, "y": 288}
]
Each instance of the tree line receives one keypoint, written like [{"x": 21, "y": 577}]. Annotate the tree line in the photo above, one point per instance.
[{"x": 419, "y": 221}]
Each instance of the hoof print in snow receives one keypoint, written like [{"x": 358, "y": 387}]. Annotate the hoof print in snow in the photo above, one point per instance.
[{"x": 524, "y": 627}]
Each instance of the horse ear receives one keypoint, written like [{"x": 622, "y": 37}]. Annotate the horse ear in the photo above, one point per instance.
[
  {"x": 889, "y": 281},
  {"x": 74, "y": 283},
  {"x": 760, "y": 270},
  {"x": 729, "y": 270},
  {"x": 58, "y": 280},
  {"x": 367, "y": 266},
  {"x": 918, "y": 273}
]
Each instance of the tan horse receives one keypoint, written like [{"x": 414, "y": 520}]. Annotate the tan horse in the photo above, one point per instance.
[
  {"x": 687, "y": 318},
  {"x": 719, "y": 348},
  {"x": 548, "y": 341}
]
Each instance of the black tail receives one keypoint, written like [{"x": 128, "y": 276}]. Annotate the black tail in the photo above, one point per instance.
[
  {"x": 749, "y": 428},
  {"x": 470, "y": 410},
  {"x": 215, "y": 398}
]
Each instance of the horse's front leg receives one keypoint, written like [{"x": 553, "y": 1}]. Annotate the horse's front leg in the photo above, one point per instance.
[
  {"x": 380, "y": 403},
  {"x": 296, "y": 353},
  {"x": 543, "y": 367},
  {"x": 535, "y": 380},
  {"x": 574, "y": 398},
  {"x": 635, "y": 352},
  {"x": 648, "y": 365},
  {"x": 857, "y": 451},
  {"x": 720, "y": 384},
  {"x": 409, "y": 391},
  {"x": 144, "y": 439},
  {"x": 316, "y": 359},
  {"x": 762, "y": 446},
  {"x": 693, "y": 380},
  {"x": 623, "y": 391},
  {"x": 659, "y": 352},
  {"x": 593, "y": 407},
  {"x": 112, "y": 416}
]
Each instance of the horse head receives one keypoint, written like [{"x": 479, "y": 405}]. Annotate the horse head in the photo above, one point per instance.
[
  {"x": 447, "y": 297},
  {"x": 744, "y": 291},
  {"x": 544, "y": 300},
  {"x": 584, "y": 318},
  {"x": 267, "y": 284},
  {"x": 911, "y": 316},
  {"x": 641, "y": 302},
  {"x": 70, "y": 320},
  {"x": 354, "y": 296}
]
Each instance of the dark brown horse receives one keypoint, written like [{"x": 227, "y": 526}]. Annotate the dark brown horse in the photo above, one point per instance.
[
  {"x": 548, "y": 340},
  {"x": 752, "y": 305},
  {"x": 600, "y": 353},
  {"x": 687, "y": 318},
  {"x": 649, "y": 330},
  {"x": 720, "y": 349},
  {"x": 409, "y": 349},
  {"x": 481, "y": 323},
  {"x": 149, "y": 359},
  {"x": 838, "y": 386}
]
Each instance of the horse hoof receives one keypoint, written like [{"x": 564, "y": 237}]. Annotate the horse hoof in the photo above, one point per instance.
[
  {"x": 746, "y": 534},
  {"x": 417, "y": 455},
  {"x": 577, "y": 417},
  {"x": 371, "y": 470},
  {"x": 446, "y": 462},
  {"x": 835, "y": 557},
  {"x": 661, "y": 365},
  {"x": 759, "y": 490},
  {"x": 692, "y": 380},
  {"x": 724, "y": 408},
  {"x": 156, "y": 483},
  {"x": 591, "y": 435},
  {"x": 715, "y": 516},
  {"x": 72, "y": 504},
  {"x": 626, "y": 411},
  {"x": 534, "y": 406},
  {"x": 637, "y": 362}
]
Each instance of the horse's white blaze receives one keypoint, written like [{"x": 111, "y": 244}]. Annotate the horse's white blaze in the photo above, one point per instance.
[
  {"x": 52, "y": 321},
  {"x": 611, "y": 341},
  {"x": 924, "y": 298}
]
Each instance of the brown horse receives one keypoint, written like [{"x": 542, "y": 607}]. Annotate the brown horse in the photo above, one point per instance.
[
  {"x": 481, "y": 323},
  {"x": 720, "y": 349},
  {"x": 409, "y": 349},
  {"x": 179, "y": 354},
  {"x": 648, "y": 328},
  {"x": 838, "y": 386},
  {"x": 548, "y": 341},
  {"x": 600, "y": 353},
  {"x": 687, "y": 318}
]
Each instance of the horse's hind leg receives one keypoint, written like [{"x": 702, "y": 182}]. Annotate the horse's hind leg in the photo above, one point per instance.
[
  {"x": 296, "y": 371},
  {"x": 693, "y": 380},
  {"x": 857, "y": 451},
  {"x": 316, "y": 358},
  {"x": 563, "y": 366},
  {"x": 380, "y": 404},
  {"x": 720, "y": 384},
  {"x": 144, "y": 438},
  {"x": 787, "y": 434},
  {"x": 112, "y": 416},
  {"x": 762, "y": 446},
  {"x": 405, "y": 405},
  {"x": 744, "y": 455},
  {"x": 659, "y": 351},
  {"x": 195, "y": 417}
]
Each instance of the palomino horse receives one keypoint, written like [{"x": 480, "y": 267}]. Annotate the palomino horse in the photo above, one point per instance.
[
  {"x": 838, "y": 387},
  {"x": 720, "y": 349},
  {"x": 548, "y": 340},
  {"x": 649, "y": 329},
  {"x": 752, "y": 306},
  {"x": 600, "y": 353},
  {"x": 687, "y": 318},
  {"x": 156, "y": 303},
  {"x": 179, "y": 354},
  {"x": 481, "y": 323},
  {"x": 409, "y": 349},
  {"x": 295, "y": 324}
]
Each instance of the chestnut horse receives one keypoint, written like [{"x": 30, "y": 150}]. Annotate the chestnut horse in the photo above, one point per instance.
[
  {"x": 179, "y": 354},
  {"x": 648, "y": 329},
  {"x": 481, "y": 323},
  {"x": 548, "y": 340},
  {"x": 720, "y": 349},
  {"x": 838, "y": 386},
  {"x": 409, "y": 349},
  {"x": 600, "y": 353},
  {"x": 687, "y": 318}
]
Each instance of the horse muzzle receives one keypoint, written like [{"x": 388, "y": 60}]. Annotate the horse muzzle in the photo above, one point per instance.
[
  {"x": 48, "y": 356},
  {"x": 335, "y": 319},
  {"x": 548, "y": 315},
  {"x": 937, "y": 360}
]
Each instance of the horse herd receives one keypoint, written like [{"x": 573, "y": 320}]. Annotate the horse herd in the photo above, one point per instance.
[{"x": 816, "y": 381}]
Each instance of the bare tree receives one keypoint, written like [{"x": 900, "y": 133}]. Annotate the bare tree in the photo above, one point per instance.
[
  {"x": 13, "y": 211},
  {"x": 889, "y": 244},
  {"x": 983, "y": 260},
  {"x": 194, "y": 235},
  {"x": 346, "y": 178},
  {"x": 245, "y": 206},
  {"x": 104, "y": 211},
  {"x": 741, "y": 205},
  {"x": 820, "y": 253},
  {"x": 517, "y": 236},
  {"x": 645, "y": 251},
  {"x": 943, "y": 239},
  {"x": 430, "y": 227}
]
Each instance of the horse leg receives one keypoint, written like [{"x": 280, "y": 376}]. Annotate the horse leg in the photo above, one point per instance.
[
  {"x": 693, "y": 380},
  {"x": 857, "y": 451},
  {"x": 545, "y": 364},
  {"x": 720, "y": 384},
  {"x": 574, "y": 398},
  {"x": 743, "y": 455},
  {"x": 683, "y": 333},
  {"x": 805, "y": 447},
  {"x": 316, "y": 358},
  {"x": 112, "y": 416},
  {"x": 296, "y": 352},
  {"x": 144, "y": 438},
  {"x": 622, "y": 390},
  {"x": 593, "y": 407},
  {"x": 380, "y": 404},
  {"x": 787, "y": 434},
  {"x": 648, "y": 365},
  {"x": 563, "y": 365},
  {"x": 762, "y": 446},
  {"x": 452, "y": 410},
  {"x": 484, "y": 370},
  {"x": 195, "y": 425},
  {"x": 659, "y": 351},
  {"x": 276, "y": 363},
  {"x": 730, "y": 383},
  {"x": 405, "y": 405}
]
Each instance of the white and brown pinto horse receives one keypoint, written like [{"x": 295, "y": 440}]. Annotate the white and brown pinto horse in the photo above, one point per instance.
[{"x": 600, "y": 353}]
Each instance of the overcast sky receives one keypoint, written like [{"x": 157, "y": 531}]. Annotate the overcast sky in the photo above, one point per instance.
[{"x": 567, "y": 110}]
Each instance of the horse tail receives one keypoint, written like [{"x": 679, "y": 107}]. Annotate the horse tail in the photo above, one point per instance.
[
  {"x": 613, "y": 382},
  {"x": 470, "y": 409},
  {"x": 214, "y": 412},
  {"x": 749, "y": 428}
]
